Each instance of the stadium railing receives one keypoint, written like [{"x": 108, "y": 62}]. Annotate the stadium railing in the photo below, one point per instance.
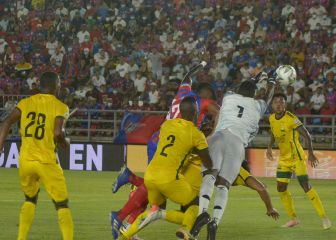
[{"x": 92, "y": 125}]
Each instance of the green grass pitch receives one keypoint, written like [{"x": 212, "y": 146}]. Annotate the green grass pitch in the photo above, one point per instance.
[{"x": 91, "y": 201}]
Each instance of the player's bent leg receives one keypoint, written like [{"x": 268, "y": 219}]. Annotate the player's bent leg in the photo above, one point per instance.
[
  {"x": 64, "y": 219},
  {"x": 122, "y": 179},
  {"x": 179, "y": 191},
  {"x": 138, "y": 224},
  {"x": 138, "y": 200},
  {"x": 27, "y": 214},
  {"x": 315, "y": 200},
  {"x": 189, "y": 219}
]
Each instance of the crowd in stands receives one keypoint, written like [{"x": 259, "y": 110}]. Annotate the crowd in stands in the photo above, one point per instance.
[{"x": 127, "y": 54}]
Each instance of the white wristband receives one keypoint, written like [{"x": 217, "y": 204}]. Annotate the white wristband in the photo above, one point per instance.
[{"x": 203, "y": 63}]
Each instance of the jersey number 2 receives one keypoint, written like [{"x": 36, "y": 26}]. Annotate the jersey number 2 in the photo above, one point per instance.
[
  {"x": 170, "y": 138},
  {"x": 241, "y": 111},
  {"x": 39, "y": 130}
]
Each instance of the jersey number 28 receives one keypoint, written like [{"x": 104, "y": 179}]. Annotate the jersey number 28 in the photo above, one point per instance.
[{"x": 40, "y": 121}]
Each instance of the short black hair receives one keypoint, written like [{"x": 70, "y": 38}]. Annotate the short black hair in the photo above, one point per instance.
[
  {"x": 186, "y": 106},
  {"x": 208, "y": 87},
  {"x": 48, "y": 80},
  {"x": 247, "y": 88},
  {"x": 279, "y": 95}
]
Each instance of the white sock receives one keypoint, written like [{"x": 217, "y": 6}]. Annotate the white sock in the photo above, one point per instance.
[
  {"x": 220, "y": 203},
  {"x": 206, "y": 192}
]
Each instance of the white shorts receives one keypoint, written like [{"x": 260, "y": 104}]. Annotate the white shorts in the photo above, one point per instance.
[{"x": 227, "y": 153}]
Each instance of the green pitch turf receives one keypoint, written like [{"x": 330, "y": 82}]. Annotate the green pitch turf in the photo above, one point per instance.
[{"x": 91, "y": 201}]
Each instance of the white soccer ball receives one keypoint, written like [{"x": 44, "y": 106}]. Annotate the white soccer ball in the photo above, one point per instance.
[{"x": 286, "y": 74}]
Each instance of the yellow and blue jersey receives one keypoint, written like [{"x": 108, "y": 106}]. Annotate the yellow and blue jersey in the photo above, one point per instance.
[{"x": 287, "y": 138}]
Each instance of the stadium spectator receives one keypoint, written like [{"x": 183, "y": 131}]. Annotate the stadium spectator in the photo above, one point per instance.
[
  {"x": 317, "y": 101},
  {"x": 292, "y": 98},
  {"x": 57, "y": 56},
  {"x": 330, "y": 95},
  {"x": 83, "y": 34},
  {"x": 302, "y": 108},
  {"x": 23, "y": 68},
  {"x": 98, "y": 80},
  {"x": 153, "y": 94},
  {"x": 327, "y": 110}
]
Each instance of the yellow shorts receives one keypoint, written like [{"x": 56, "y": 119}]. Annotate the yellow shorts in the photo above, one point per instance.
[
  {"x": 32, "y": 173},
  {"x": 241, "y": 178},
  {"x": 179, "y": 191},
  {"x": 285, "y": 170},
  {"x": 192, "y": 174}
]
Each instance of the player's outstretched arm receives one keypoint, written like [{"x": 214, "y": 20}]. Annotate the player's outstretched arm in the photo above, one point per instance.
[
  {"x": 193, "y": 70},
  {"x": 306, "y": 135},
  {"x": 269, "y": 149},
  {"x": 255, "y": 184},
  {"x": 6, "y": 125},
  {"x": 59, "y": 133},
  {"x": 205, "y": 157}
]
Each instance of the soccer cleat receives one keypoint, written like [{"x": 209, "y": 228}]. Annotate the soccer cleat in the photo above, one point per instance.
[
  {"x": 326, "y": 223},
  {"x": 115, "y": 224},
  {"x": 212, "y": 230},
  {"x": 184, "y": 234},
  {"x": 291, "y": 223},
  {"x": 122, "y": 179},
  {"x": 201, "y": 220},
  {"x": 154, "y": 214}
]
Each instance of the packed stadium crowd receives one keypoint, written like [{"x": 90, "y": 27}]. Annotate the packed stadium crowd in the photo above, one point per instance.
[{"x": 128, "y": 54}]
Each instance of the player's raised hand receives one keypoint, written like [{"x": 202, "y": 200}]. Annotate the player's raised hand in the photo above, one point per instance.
[
  {"x": 313, "y": 160},
  {"x": 273, "y": 213},
  {"x": 269, "y": 154}
]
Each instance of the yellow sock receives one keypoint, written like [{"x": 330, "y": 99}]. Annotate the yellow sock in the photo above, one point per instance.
[
  {"x": 26, "y": 218},
  {"x": 288, "y": 203},
  {"x": 134, "y": 228},
  {"x": 65, "y": 223},
  {"x": 190, "y": 217},
  {"x": 315, "y": 199},
  {"x": 174, "y": 216}
]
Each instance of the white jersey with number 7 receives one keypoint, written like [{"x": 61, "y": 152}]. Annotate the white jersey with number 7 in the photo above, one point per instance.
[{"x": 241, "y": 115}]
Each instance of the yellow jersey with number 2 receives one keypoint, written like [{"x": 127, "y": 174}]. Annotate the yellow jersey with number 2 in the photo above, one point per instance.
[
  {"x": 287, "y": 137},
  {"x": 38, "y": 114},
  {"x": 177, "y": 138}
]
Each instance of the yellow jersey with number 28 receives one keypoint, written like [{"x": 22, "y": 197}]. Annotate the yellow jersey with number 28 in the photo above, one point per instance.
[{"x": 38, "y": 114}]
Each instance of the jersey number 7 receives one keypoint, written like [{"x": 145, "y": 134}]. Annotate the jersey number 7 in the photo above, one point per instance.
[{"x": 241, "y": 111}]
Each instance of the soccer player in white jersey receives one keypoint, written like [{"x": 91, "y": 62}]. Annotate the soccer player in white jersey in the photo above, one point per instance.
[{"x": 237, "y": 125}]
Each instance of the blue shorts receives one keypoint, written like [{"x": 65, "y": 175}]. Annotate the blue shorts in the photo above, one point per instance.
[{"x": 152, "y": 145}]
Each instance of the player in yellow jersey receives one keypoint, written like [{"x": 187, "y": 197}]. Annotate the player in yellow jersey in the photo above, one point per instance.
[
  {"x": 163, "y": 178},
  {"x": 286, "y": 128},
  {"x": 42, "y": 117}
]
